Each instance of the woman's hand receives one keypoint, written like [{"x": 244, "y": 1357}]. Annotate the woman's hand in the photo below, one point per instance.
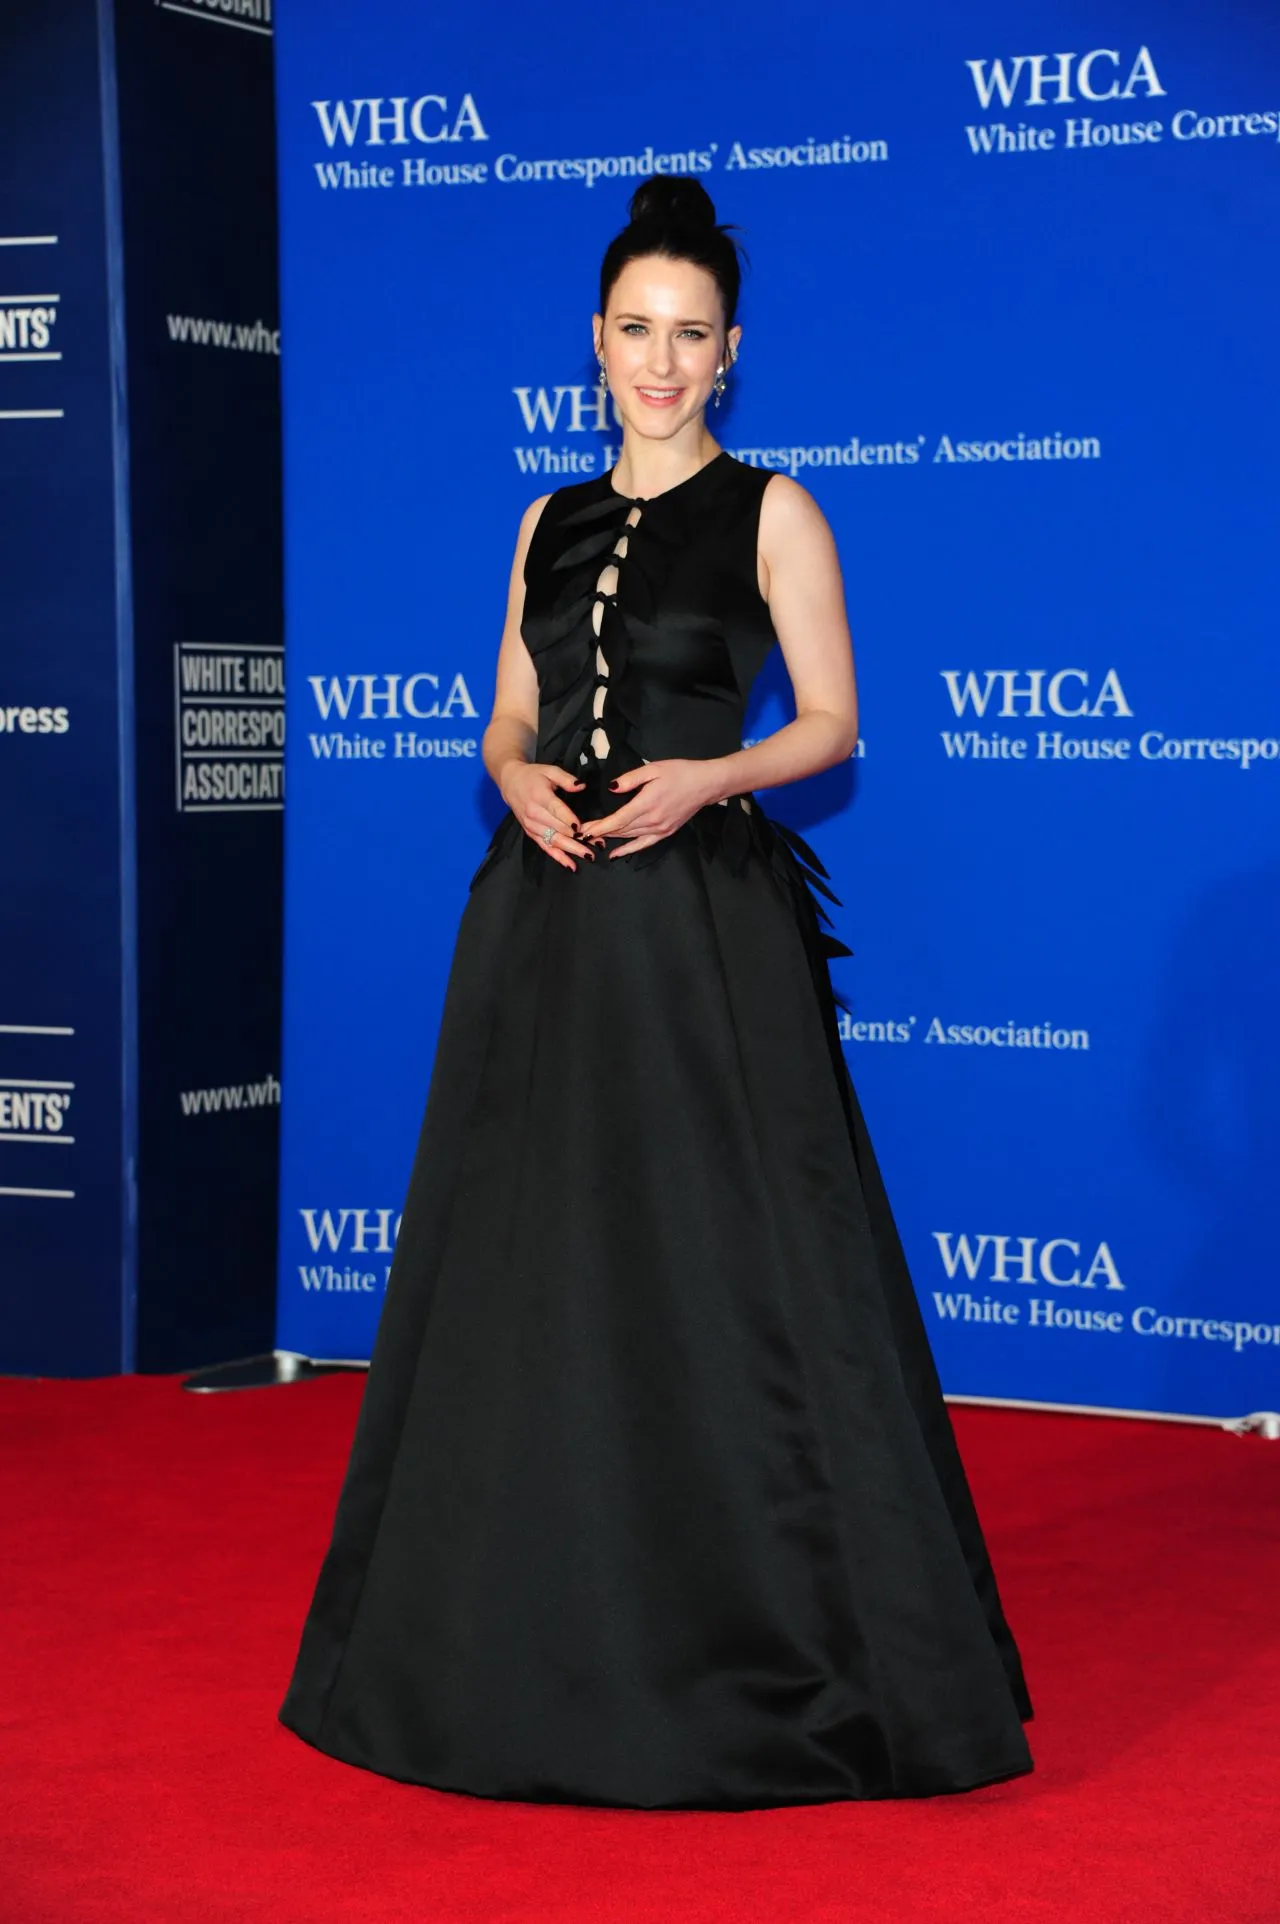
[
  {"x": 663, "y": 797},
  {"x": 530, "y": 791}
]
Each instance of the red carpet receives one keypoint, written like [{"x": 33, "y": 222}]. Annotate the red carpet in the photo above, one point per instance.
[{"x": 161, "y": 1548}]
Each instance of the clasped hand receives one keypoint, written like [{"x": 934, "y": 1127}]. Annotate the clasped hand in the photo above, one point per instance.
[
  {"x": 656, "y": 800},
  {"x": 663, "y": 795}
]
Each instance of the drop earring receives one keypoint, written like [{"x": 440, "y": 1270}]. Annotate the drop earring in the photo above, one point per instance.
[
  {"x": 719, "y": 384},
  {"x": 604, "y": 378}
]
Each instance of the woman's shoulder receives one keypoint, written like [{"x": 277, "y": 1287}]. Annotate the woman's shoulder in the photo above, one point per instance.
[
  {"x": 794, "y": 541},
  {"x": 788, "y": 511},
  {"x": 531, "y": 517},
  {"x": 526, "y": 533},
  {"x": 784, "y": 505}
]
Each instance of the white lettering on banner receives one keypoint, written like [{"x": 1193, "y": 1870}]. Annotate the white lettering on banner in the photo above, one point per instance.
[
  {"x": 1244, "y": 750},
  {"x": 417, "y": 172},
  {"x": 853, "y": 453},
  {"x": 1026, "y": 1259},
  {"x": 974, "y": 1035},
  {"x": 253, "y": 337},
  {"x": 416, "y": 697},
  {"x": 354, "y": 173},
  {"x": 1049, "y": 78},
  {"x": 589, "y": 408},
  {"x": 26, "y": 327},
  {"x": 962, "y": 1306},
  {"x": 27, "y": 323},
  {"x": 348, "y": 748},
  {"x": 1035, "y": 691},
  {"x": 225, "y": 13},
  {"x": 243, "y": 1095},
  {"x": 361, "y": 1231},
  {"x": 420, "y": 697},
  {"x": 512, "y": 170},
  {"x": 844, "y": 151},
  {"x": 1039, "y": 81},
  {"x": 409, "y": 746},
  {"x": 406, "y": 745},
  {"x": 551, "y": 461},
  {"x": 1007, "y": 1035},
  {"x": 431, "y": 121},
  {"x": 35, "y": 1111},
  {"x": 575, "y": 409},
  {"x": 860, "y": 1029},
  {"x": 440, "y": 120},
  {"x": 1209, "y": 1329},
  {"x": 399, "y": 120},
  {"x": 1019, "y": 447},
  {"x": 324, "y": 1276},
  {"x": 228, "y": 727},
  {"x": 23, "y": 719},
  {"x": 1069, "y": 693},
  {"x": 1189, "y": 125}
]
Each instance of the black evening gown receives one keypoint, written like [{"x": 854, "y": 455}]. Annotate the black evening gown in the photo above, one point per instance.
[{"x": 654, "y": 1499}]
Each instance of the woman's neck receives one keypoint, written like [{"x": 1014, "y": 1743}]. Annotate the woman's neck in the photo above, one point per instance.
[{"x": 645, "y": 468}]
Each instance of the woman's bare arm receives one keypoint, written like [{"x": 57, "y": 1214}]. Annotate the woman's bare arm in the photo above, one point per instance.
[
  {"x": 805, "y": 591},
  {"x": 531, "y": 790}
]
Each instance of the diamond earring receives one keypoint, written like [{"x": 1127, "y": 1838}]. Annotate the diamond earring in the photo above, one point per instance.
[
  {"x": 604, "y": 378},
  {"x": 719, "y": 385}
]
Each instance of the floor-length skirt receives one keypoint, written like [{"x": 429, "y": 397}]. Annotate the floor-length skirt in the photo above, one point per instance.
[{"x": 654, "y": 1499}]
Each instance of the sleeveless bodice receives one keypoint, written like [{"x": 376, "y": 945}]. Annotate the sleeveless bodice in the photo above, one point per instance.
[{"x": 644, "y": 618}]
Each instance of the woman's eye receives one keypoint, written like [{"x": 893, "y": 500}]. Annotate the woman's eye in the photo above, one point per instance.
[{"x": 637, "y": 327}]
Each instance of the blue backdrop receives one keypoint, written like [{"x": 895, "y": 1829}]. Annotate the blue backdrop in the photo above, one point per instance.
[{"x": 1011, "y": 319}]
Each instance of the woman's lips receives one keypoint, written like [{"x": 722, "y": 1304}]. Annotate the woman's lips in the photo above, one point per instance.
[{"x": 660, "y": 397}]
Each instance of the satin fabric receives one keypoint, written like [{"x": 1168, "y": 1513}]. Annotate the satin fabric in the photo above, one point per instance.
[
  {"x": 685, "y": 633},
  {"x": 654, "y": 1500}
]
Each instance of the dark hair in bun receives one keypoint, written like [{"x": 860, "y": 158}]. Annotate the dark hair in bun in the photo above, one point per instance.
[{"x": 674, "y": 215}]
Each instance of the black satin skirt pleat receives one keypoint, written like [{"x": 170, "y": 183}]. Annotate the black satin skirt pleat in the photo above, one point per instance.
[{"x": 654, "y": 1500}]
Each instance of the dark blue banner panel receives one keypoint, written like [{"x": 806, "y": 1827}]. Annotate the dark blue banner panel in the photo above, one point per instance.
[
  {"x": 141, "y": 686},
  {"x": 1010, "y": 318},
  {"x": 198, "y": 173},
  {"x": 63, "y": 1210}
]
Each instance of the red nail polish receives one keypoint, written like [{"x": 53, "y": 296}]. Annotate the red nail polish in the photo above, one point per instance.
[{"x": 613, "y": 785}]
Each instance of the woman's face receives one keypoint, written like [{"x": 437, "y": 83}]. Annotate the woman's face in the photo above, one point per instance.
[{"x": 663, "y": 338}]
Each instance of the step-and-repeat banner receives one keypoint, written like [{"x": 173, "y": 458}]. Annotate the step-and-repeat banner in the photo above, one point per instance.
[
  {"x": 141, "y": 686},
  {"x": 197, "y": 158},
  {"x": 1010, "y": 317},
  {"x": 64, "y": 1092}
]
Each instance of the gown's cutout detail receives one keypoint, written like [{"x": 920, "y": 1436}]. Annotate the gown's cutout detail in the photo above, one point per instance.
[{"x": 606, "y": 595}]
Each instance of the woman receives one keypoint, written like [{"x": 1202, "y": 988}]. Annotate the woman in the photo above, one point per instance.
[{"x": 654, "y": 1499}]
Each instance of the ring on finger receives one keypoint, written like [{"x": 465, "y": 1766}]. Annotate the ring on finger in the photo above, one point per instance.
[{"x": 549, "y": 835}]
